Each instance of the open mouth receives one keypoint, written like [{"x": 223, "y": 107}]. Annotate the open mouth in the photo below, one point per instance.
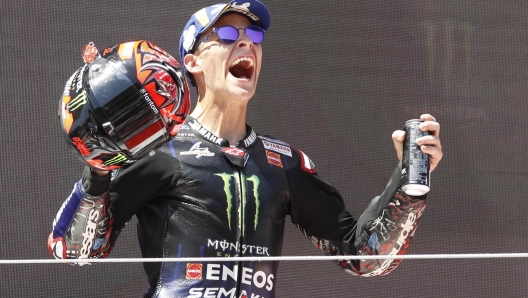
[{"x": 242, "y": 68}]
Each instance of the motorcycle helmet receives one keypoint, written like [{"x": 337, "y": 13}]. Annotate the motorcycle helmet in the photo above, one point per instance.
[{"x": 121, "y": 105}]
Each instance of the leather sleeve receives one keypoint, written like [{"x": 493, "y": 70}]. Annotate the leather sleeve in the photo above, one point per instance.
[
  {"x": 90, "y": 220},
  {"x": 83, "y": 226},
  {"x": 386, "y": 227}
]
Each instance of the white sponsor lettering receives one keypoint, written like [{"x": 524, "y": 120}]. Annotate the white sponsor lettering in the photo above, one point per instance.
[
  {"x": 195, "y": 293},
  {"x": 68, "y": 85},
  {"x": 404, "y": 234},
  {"x": 230, "y": 273},
  {"x": 259, "y": 279},
  {"x": 204, "y": 132},
  {"x": 188, "y": 38},
  {"x": 219, "y": 293},
  {"x": 126, "y": 50},
  {"x": 195, "y": 149},
  {"x": 221, "y": 272},
  {"x": 89, "y": 234},
  {"x": 213, "y": 272},
  {"x": 244, "y": 6},
  {"x": 250, "y": 139},
  {"x": 277, "y": 148},
  {"x": 210, "y": 293},
  {"x": 269, "y": 287},
  {"x": 223, "y": 292},
  {"x": 274, "y": 140},
  {"x": 244, "y": 9},
  {"x": 246, "y": 275},
  {"x": 79, "y": 84},
  {"x": 149, "y": 101},
  {"x": 234, "y": 247}
]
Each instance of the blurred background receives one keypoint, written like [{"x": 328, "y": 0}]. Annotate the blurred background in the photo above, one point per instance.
[{"x": 338, "y": 78}]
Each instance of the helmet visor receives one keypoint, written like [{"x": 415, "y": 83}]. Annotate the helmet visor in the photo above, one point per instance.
[{"x": 125, "y": 109}]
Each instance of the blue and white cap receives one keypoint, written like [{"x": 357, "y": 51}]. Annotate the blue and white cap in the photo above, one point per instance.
[{"x": 203, "y": 19}]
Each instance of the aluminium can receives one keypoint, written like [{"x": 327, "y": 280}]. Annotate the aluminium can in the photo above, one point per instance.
[{"x": 415, "y": 164}]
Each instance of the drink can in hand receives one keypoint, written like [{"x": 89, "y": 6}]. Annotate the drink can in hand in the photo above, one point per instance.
[{"x": 415, "y": 163}]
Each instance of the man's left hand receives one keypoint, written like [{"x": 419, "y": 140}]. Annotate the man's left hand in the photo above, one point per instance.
[{"x": 428, "y": 144}]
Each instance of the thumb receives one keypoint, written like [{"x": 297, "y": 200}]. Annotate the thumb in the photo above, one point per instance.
[{"x": 398, "y": 137}]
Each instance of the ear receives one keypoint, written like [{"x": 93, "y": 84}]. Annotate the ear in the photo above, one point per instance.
[{"x": 191, "y": 64}]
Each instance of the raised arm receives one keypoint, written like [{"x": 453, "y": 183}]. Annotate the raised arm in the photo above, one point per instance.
[
  {"x": 99, "y": 207},
  {"x": 83, "y": 226},
  {"x": 386, "y": 227}
]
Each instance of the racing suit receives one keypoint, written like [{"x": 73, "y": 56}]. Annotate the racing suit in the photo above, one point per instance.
[{"x": 198, "y": 197}]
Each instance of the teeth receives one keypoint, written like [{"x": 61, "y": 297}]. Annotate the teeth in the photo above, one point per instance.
[{"x": 240, "y": 59}]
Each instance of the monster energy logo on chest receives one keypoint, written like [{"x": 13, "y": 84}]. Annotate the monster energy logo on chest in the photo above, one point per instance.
[{"x": 240, "y": 183}]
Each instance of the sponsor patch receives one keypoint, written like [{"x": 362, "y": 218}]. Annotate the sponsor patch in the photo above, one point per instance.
[
  {"x": 194, "y": 271},
  {"x": 199, "y": 152},
  {"x": 234, "y": 151},
  {"x": 126, "y": 50},
  {"x": 277, "y": 148},
  {"x": 274, "y": 140},
  {"x": 274, "y": 158},
  {"x": 78, "y": 142},
  {"x": 243, "y": 9}
]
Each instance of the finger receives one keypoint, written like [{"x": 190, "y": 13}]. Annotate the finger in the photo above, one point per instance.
[
  {"x": 435, "y": 155},
  {"x": 430, "y": 140},
  {"x": 431, "y": 126},
  {"x": 427, "y": 117},
  {"x": 433, "y": 151}
]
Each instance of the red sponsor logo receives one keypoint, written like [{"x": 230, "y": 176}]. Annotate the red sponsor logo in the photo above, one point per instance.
[
  {"x": 175, "y": 128},
  {"x": 81, "y": 146},
  {"x": 274, "y": 158},
  {"x": 234, "y": 151},
  {"x": 106, "y": 51},
  {"x": 89, "y": 53},
  {"x": 194, "y": 271}
]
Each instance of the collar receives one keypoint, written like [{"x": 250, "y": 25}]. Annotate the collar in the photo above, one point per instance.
[{"x": 248, "y": 140}]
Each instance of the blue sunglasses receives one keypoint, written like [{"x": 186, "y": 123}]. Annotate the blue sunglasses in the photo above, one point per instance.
[{"x": 229, "y": 34}]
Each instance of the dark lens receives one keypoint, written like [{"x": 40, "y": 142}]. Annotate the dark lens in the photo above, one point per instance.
[
  {"x": 255, "y": 33},
  {"x": 227, "y": 34}
]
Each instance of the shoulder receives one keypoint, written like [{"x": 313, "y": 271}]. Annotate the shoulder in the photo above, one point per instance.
[
  {"x": 299, "y": 158},
  {"x": 156, "y": 164},
  {"x": 276, "y": 145}
]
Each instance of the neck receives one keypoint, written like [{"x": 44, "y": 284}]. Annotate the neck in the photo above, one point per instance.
[{"x": 224, "y": 118}]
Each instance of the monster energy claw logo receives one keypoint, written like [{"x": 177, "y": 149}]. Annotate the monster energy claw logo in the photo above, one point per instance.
[
  {"x": 78, "y": 101},
  {"x": 115, "y": 160},
  {"x": 240, "y": 183}
]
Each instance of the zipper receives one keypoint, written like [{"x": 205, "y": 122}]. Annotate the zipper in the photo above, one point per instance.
[{"x": 240, "y": 182}]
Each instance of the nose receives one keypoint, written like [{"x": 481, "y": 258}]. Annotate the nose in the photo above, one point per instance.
[{"x": 243, "y": 39}]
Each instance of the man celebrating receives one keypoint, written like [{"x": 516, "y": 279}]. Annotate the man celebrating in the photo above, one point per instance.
[{"x": 221, "y": 189}]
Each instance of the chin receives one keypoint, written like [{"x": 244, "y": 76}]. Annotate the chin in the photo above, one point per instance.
[
  {"x": 243, "y": 94},
  {"x": 241, "y": 89}
]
